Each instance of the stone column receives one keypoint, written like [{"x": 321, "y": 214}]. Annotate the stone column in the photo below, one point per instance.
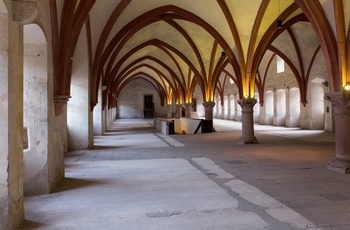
[
  {"x": 207, "y": 124},
  {"x": 208, "y": 105},
  {"x": 188, "y": 110},
  {"x": 169, "y": 111},
  {"x": 179, "y": 110},
  {"x": 247, "y": 121},
  {"x": 11, "y": 123},
  {"x": 341, "y": 105}
]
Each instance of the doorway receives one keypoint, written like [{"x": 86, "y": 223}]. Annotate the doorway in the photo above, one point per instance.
[{"x": 148, "y": 107}]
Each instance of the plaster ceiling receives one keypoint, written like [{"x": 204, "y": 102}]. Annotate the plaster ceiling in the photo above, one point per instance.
[
  {"x": 178, "y": 43},
  {"x": 200, "y": 31}
]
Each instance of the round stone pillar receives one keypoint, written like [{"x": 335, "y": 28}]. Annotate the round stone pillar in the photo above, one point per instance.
[
  {"x": 169, "y": 111},
  {"x": 188, "y": 110},
  {"x": 207, "y": 124},
  {"x": 247, "y": 121},
  {"x": 341, "y": 105},
  {"x": 208, "y": 105},
  {"x": 179, "y": 110}
]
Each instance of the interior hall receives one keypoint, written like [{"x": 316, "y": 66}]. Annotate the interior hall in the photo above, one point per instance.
[{"x": 174, "y": 114}]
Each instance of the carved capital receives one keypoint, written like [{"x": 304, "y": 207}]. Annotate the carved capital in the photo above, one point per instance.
[
  {"x": 24, "y": 12},
  {"x": 60, "y": 101},
  {"x": 340, "y": 102},
  {"x": 209, "y": 104},
  {"x": 247, "y": 104}
]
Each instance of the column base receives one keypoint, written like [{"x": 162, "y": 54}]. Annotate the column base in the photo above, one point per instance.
[
  {"x": 248, "y": 140},
  {"x": 339, "y": 166}
]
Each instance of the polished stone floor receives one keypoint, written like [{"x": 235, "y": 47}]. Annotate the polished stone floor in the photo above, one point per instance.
[{"x": 137, "y": 178}]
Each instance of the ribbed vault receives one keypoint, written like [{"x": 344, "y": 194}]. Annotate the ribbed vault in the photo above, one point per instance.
[{"x": 177, "y": 44}]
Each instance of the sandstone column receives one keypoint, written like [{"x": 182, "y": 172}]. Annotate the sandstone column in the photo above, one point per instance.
[
  {"x": 207, "y": 124},
  {"x": 169, "y": 111},
  {"x": 341, "y": 105},
  {"x": 11, "y": 123},
  {"x": 209, "y": 105},
  {"x": 247, "y": 121},
  {"x": 188, "y": 110},
  {"x": 179, "y": 110}
]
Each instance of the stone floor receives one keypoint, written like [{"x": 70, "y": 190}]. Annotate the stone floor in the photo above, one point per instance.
[{"x": 137, "y": 178}]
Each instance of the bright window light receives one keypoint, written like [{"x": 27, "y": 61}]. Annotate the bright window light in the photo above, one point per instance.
[
  {"x": 280, "y": 65},
  {"x": 231, "y": 81}
]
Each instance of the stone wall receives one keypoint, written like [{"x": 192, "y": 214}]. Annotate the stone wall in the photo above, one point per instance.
[
  {"x": 35, "y": 119},
  {"x": 130, "y": 100}
]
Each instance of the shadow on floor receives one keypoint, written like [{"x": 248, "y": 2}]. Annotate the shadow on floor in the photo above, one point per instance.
[{"x": 73, "y": 183}]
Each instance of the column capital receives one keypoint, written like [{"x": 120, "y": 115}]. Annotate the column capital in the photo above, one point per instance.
[
  {"x": 60, "y": 101},
  {"x": 209, "y": 104},
  {"x": 24, "y": 12},
  {"x": 247, "y": 104},
  {"x": 340, "y": 102}
]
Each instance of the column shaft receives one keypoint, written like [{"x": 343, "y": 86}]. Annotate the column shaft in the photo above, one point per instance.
[
  {"x": 247, "y": 121},
  {"x": 341, "y": 105},
  {"x": 179, "y": 111},
  {"x": 169, "y": 111},
  {"x": 11, "y": 124},
  {"x": 188, "y": 110},
  {"x": 207, "y": 124}
]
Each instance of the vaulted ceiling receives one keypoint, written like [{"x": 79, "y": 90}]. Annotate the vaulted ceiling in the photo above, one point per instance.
[{"x": 179, "y": 44}]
